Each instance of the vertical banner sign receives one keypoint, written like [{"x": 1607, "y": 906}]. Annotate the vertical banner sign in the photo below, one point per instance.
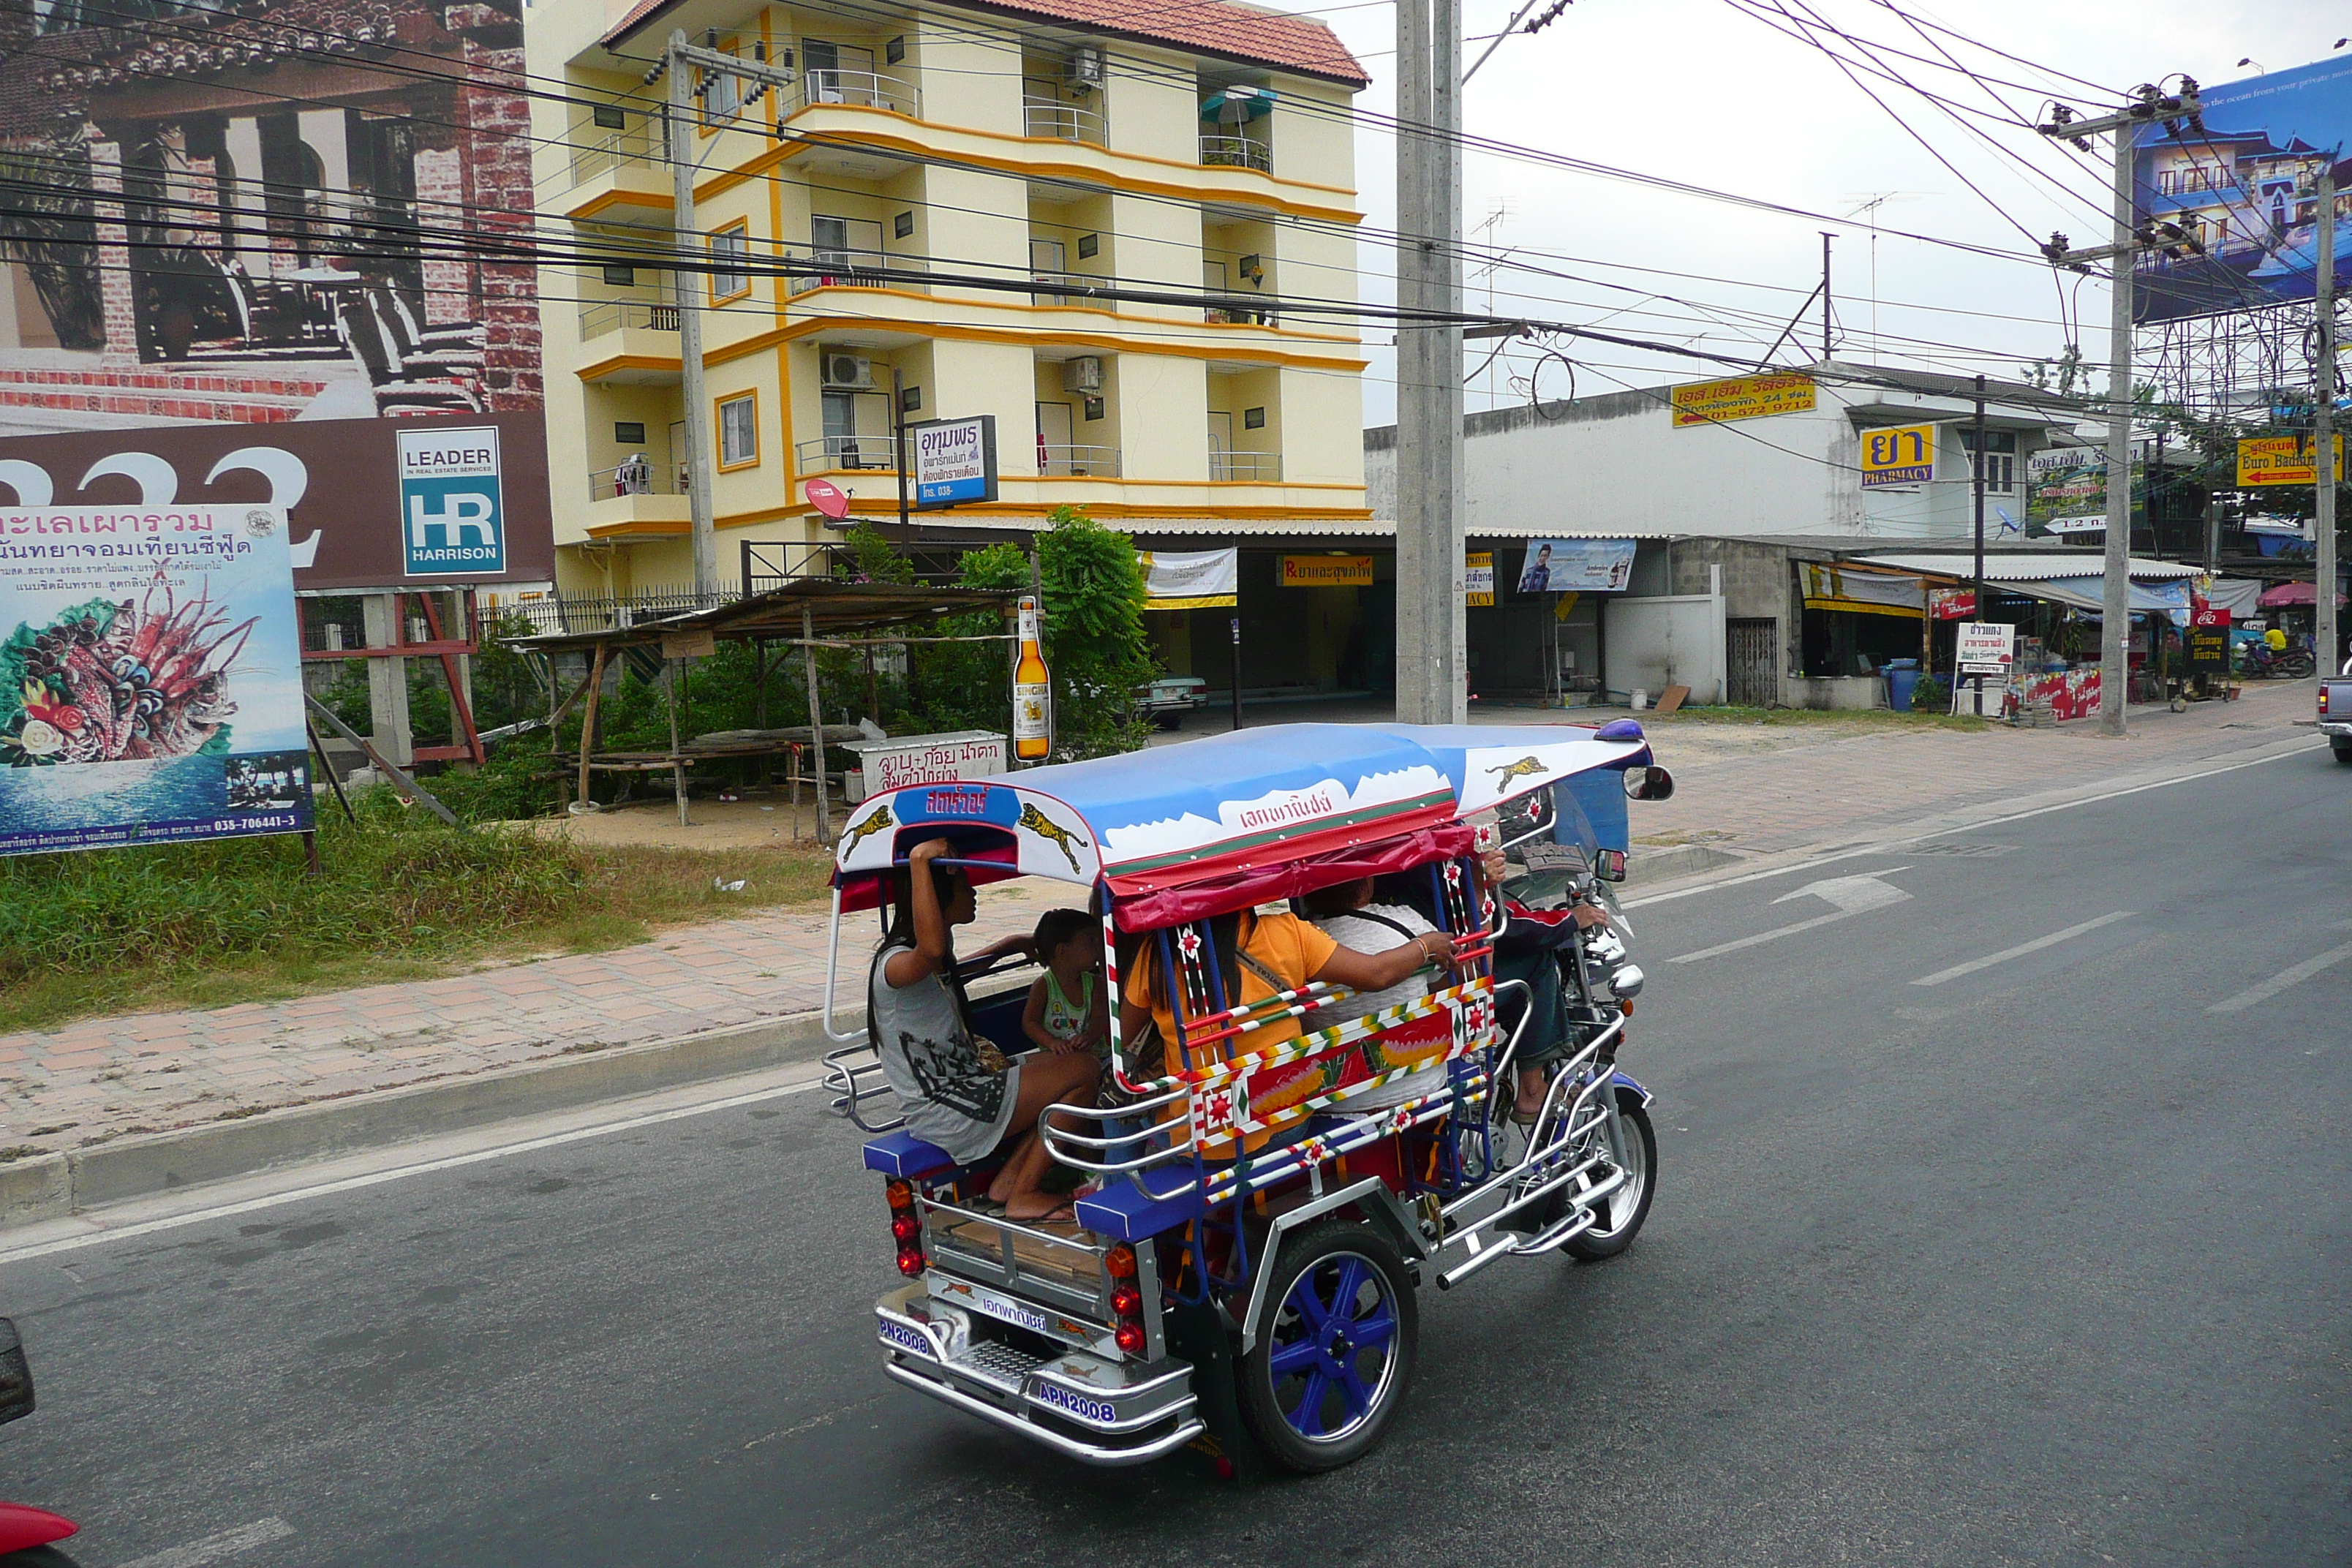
[
  {"x": 1986, "y": 647},
  {"x": 452, "y": 512},
  {"x": 151, "y": 677},
  {"x": 1903, "y": 455},
  {"x": 1478, "y": 578},
  {"x": 1033, "y": 734},
  {"x": 2208, "y": 644}
]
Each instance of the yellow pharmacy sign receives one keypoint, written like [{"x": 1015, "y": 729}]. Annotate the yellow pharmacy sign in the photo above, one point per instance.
[
  {"x": 2281, "y": 460},
  {"x": 1742, "y": 397},
  {"x": 1327, "y": 571},
  {"x": 1905, "y": 454},
  {"x": 1478, "y": 577}
]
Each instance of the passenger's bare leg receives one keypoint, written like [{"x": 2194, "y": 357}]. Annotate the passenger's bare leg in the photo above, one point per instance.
[{"x": 1046, "y": 1079}]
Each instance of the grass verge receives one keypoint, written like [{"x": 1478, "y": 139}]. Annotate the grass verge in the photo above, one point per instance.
[{"x": 399, "y": 896}]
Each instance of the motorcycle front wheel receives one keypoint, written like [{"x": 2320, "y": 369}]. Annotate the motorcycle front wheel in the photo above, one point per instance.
[{"x": 1624, "y": 1212}]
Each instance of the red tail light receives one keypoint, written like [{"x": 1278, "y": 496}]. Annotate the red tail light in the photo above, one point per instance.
[
  {"x": 906, "y": 1227},
  {"x": 1126, "y": 1300},
  {"x": 1130, "y": 1337}
]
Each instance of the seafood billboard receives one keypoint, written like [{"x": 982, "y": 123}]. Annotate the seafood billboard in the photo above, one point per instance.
[{"x": 151, "y": 677}]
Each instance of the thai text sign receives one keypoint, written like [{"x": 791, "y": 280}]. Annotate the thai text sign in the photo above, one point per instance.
[
  {"x": 1905, "y": 454},
  {"x": 1189, "y": 579},
  {"x": 1742, "y": 397},
  {"x": 1478, "y": 577},
  {"x": 1951, "y": 604},
  {"x": 894, "y": 764},
  {"x": 1986, "y": 647},
  {"x": 1576, "y": 565},
  {"x": 955, "y": 460},
  {"x": 151, "y": 677},
  {"x": 2281, "y": 460},
  {"x": 452, "y": 516},
  {"x": 1327, "y": 571}
]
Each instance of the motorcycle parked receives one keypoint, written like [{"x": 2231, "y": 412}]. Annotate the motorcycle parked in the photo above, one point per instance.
[
  {"x": 2288, "y": 664},
  {"x": 25, "y": 1533}
]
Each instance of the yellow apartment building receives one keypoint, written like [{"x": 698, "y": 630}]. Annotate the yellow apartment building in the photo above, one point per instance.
[{"x": 937, "y": 203}]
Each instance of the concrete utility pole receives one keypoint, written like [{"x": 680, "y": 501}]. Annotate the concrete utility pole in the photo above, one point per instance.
[
  {"x": 1431, "y": 662},
  {"x": 2323, "y": 426},
  {"x": 689, "y": 326},
  {"x": 2150, "y": 107},
  {"x": 1977, "y": 598}
]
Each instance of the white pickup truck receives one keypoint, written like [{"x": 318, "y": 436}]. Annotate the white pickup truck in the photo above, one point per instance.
[{"x": 2335, "y": 712}]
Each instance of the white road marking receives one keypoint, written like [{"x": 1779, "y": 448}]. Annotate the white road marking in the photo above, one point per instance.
[
  {"x": 1896, "y": 845},
  {"x": 105, "y": 1233},
  {"x": 1851, "y": 895},
  {"x": 216, "y": 1548},
  {"x": 2282, "y": 980},
  {"x": 2021, "y": 950}
]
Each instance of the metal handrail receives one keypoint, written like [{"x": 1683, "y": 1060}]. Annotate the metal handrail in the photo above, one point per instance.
[
  {"x": 862, "y": 454},
  {"x": 853, "y": 267},
  {"x": 1050, "y": 119},
  {"x": 1237, "y": 310},
  {"x": 660, "y": 479},
  {"x": 862, "y": 89},
  {"x": 610, "y": 153},
  {"x": 1263, "y": 466},
  {"x": 614, "y": 315},
  {"x": 1237, "y": 151},
  {"x": 1065, "y": 288},
  {"x": 1055, "y": 460}
]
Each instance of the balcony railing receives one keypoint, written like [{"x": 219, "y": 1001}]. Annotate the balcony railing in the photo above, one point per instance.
[
  {"x": 837, "y": 452},
  {"x": 830, "y": 267},
  {"x": 1259, "y": 467},
  {"x": 1067, "y": 289},
  {"x": 1049, "y": 117},
  {"x": 1234, "y": 312},
  {"x": 1237, "y": 151},
  {"x": 614, "y": 315},
  {"x": 867, "y": 90},
  {"x": 609, "y": 152},
  {"x": 649, "y": 478},
  {"x": 1059, "y": 462}
]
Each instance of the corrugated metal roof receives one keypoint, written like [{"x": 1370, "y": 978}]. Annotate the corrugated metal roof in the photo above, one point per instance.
[
  {"x": 1261, "y": 526},
  {"x": 2042, "y": 566}
]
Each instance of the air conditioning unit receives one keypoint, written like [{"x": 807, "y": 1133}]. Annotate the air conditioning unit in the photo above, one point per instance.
[
  {"x": 846, "y": 372},
  {"x": 1085, "y": 67},
  {"x": 1083, "y": 374}
]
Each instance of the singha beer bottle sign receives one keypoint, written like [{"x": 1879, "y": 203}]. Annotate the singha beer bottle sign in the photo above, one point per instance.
[{"x": 1032, "y": 693}]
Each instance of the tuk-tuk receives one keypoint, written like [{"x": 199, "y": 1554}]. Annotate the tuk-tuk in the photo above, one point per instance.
[{"x": 1246, "y": 1246}]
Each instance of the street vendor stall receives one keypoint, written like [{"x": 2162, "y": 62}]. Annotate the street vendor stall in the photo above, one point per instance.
[{"x": 807, "y": 615}]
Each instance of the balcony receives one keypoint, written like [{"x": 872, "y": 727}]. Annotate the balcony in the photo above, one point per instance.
[
  {"x": 636, "y": 479},
  {"x": 1067, "y": 288},
  {"x": 1051, "y": 119},
  {"x": 826, "y": 267},
  {"x": 1059, "y": 462},
  {"x": 1237, "y": 153},
  {"x": 1245, "y": 468},
  {"x": 864, "y": 89},
  {"x": 1231, "y": 312},
  {"x": 836, "y": 454},
  {"x": 626, "y": 315},
  {"x": 621, "y": 149}
]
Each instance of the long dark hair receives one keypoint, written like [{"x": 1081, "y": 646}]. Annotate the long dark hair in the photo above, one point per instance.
[{"x": 945, "y": 882}]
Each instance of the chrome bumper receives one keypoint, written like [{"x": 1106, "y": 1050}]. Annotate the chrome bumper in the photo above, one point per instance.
[
  {"x": 1098, "y": 1410},
  {"x": 2336, "y": 729}
]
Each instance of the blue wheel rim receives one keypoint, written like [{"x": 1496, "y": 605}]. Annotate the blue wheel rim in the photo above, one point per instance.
[{"x": 1335, "y": 1344}]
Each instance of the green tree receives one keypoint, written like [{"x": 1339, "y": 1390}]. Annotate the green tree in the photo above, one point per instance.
[{"x": 1093, "y": 592}]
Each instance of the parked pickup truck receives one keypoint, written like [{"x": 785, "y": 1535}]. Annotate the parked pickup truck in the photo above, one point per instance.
[{"x": 2335, "y": 712}]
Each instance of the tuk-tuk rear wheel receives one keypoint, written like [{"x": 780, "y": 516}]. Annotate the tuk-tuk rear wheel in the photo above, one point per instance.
[{"x": 1334, "y": 1348}]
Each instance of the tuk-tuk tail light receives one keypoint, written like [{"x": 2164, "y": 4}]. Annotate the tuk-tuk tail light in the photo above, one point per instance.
[
  {"x": 910, "y": 1261},
  {"x": 1130, "y": 1337},
  {"x": 906, "y": 1228}
]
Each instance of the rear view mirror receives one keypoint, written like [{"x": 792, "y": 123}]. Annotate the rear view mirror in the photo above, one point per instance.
[
  {"x": 16, "y": 1375},
  {"x": 1649, "y": 783},
  {"x": 1609, "y": 865}
]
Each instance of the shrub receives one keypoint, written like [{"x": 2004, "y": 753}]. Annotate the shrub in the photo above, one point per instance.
[{"x": 1931, "y": 695}]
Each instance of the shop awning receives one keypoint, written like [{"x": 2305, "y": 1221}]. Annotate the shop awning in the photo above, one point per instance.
[
  {"x": 1829, "y": 587},
  {"x": 2090, "y": 593}
]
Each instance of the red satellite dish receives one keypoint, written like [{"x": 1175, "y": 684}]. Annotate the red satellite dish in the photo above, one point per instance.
[{"x": 828, "y": 498}]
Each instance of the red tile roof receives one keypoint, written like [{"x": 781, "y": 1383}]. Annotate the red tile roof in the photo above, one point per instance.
[{"x": 1226, "y": 28}]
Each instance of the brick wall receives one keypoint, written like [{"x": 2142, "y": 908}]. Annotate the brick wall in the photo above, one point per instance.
[
  {"x": 113, "y": 255},
  {"x": 499, "y": 189}
]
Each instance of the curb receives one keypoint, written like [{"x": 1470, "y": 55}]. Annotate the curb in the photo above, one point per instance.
[
  {"x": 53, "y": 1186},
  {"x": 1665, "y": 862}
]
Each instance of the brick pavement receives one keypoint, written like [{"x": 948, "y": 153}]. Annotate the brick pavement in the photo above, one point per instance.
[{"x": 1744, "y": 787}]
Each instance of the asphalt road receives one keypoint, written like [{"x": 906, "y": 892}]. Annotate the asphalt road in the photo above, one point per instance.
[{"x": 2041, "y": 1263}]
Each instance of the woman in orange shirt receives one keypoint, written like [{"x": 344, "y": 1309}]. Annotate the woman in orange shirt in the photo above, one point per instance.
[{"x": 1265, "y": 954}]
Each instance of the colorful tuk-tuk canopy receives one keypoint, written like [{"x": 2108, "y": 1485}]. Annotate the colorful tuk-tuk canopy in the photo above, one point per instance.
[{"x": 1238, "y": 811}]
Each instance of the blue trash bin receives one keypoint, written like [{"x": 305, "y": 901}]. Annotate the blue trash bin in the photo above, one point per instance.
[{"x": 1902, "y": 675}]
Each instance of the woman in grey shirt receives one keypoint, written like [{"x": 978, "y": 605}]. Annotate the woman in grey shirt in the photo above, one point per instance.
[{"x": 947, "y": 1090}]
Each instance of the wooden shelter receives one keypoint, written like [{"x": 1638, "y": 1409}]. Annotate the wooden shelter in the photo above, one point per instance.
[{"x": 808, "y": 614}]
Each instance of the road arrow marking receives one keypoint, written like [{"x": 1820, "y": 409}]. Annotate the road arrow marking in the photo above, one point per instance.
[
  {"x": 1851, "y": 895},
  {"x": 216, "y": 1548},
  {"x": 2282, "y": 980},
  {"x": 2021, "y": 950}
]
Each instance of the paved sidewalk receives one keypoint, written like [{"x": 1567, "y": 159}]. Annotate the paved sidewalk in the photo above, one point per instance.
[{"x": 1747, "y": 788}]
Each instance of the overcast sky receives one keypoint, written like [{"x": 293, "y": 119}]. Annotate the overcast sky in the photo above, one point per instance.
[{"x": 1702, "y": 92}]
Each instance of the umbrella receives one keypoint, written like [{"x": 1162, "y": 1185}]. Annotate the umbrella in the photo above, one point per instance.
[
  {"x": 1237, "y": 105},
  {"x": 2288, "y": 595}
]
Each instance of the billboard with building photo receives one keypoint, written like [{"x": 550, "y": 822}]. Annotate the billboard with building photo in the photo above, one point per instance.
[
  {"x": 2242, "y": 187},
  {"x": 262, "y": 212}
]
